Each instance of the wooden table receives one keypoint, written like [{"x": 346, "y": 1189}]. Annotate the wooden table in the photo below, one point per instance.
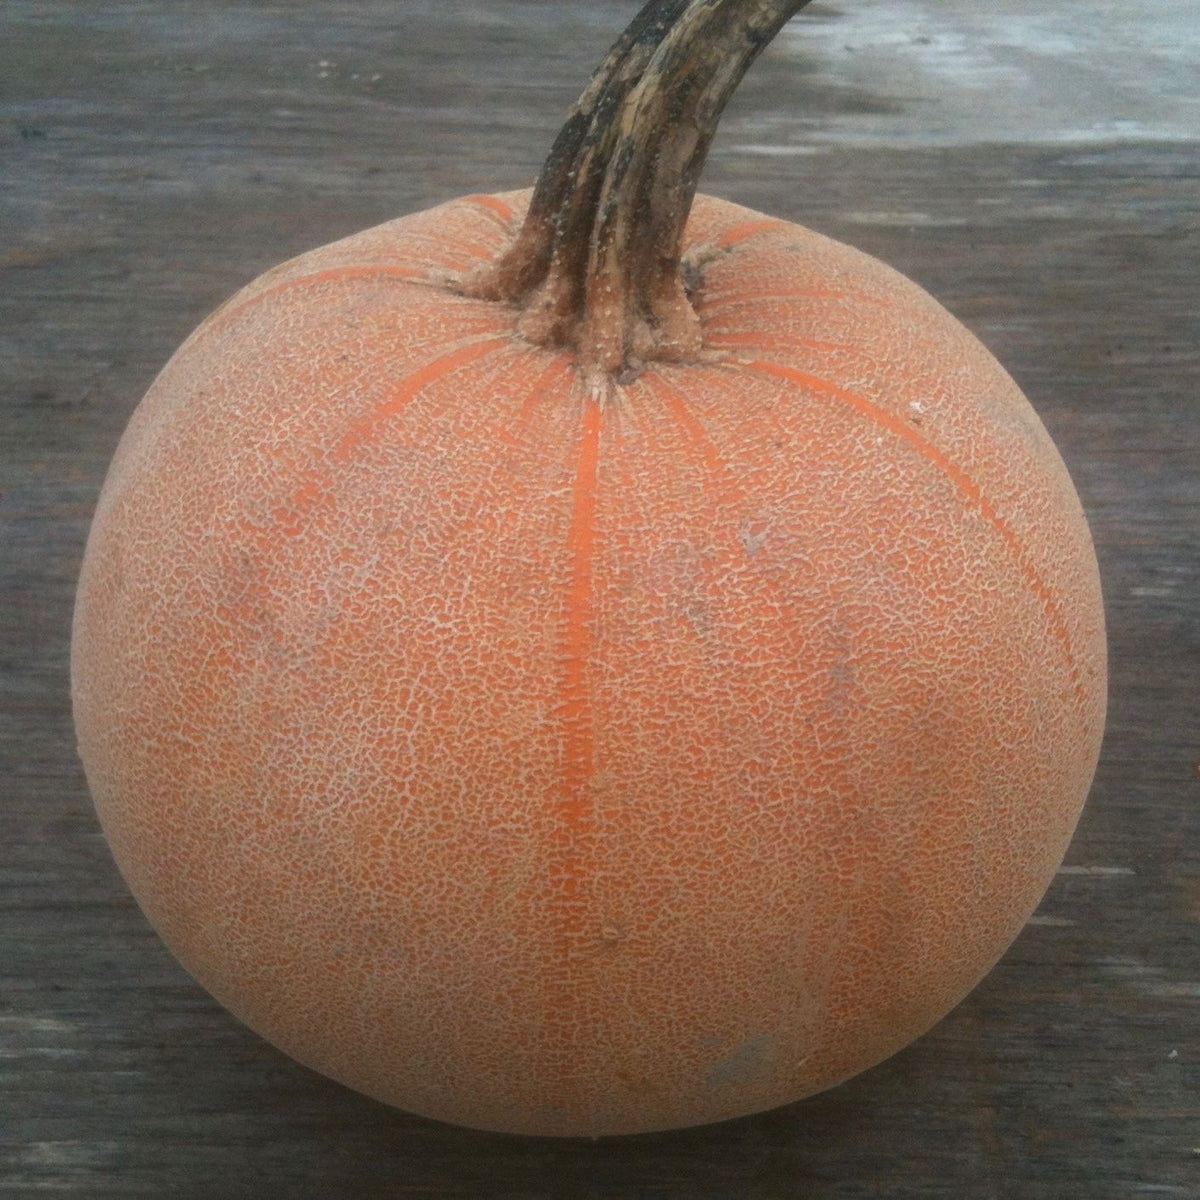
[{"x": 156, "y": 154}]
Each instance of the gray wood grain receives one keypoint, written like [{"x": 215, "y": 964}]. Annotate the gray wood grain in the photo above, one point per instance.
[{"x": 156, "y": 154}]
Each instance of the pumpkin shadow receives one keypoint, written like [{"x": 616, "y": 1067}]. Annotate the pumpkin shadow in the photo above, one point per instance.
[{"x": 328, "y": 1141}]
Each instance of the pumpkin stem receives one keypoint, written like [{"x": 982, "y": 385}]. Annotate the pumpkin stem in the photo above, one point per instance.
[{"x": 597, "y": 263}]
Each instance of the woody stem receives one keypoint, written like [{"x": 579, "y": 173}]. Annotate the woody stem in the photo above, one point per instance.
[{"x": 596, "y": 265}]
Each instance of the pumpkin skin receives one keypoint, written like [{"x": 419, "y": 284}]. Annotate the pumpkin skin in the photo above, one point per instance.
[{"x": 565, "y": 767}]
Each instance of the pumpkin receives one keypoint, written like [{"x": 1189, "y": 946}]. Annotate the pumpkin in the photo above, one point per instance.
[{"x": 584, "y": 662}]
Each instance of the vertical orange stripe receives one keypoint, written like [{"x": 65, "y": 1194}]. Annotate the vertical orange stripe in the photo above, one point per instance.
[
  {"x": 573, "y": 826},
  {"x": 577, "y": 636}
]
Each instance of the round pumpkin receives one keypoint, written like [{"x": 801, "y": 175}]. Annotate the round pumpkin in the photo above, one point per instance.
[{"x": 575, "y": 760}]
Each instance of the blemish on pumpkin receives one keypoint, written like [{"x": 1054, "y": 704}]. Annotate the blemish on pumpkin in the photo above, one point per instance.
[
  {"x": 752, "y": 541},
  {"x": 636, "y": 1083},
  {"x": 750, "y": 1060}
]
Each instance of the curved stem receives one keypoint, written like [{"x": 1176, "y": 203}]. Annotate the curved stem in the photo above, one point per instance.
[
  {"x": 597, "y": 262},
  {"x": 575, "y": 150},
  {"x": 668, "y": 125}
]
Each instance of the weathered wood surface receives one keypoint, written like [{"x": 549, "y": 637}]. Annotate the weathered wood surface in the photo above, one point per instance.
[{"x": 155, "y": 154}]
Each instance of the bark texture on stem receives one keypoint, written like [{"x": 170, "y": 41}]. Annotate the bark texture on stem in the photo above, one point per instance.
[
  {"x": 597, "y": 263},
  {"x": 574, "y": 168}
]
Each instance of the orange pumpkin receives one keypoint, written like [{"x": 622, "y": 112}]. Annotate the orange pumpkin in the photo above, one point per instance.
[{"x": 564, "y": 758}]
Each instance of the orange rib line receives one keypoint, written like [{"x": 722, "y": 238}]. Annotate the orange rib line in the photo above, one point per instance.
[
  {"x": 317, "y": 483},
  {"x": 410, "y": 387},
  {"x": 577, "y": 637},
  {"x": 755, "y": 338},
  {"x": 748, "y": 229},
  {"x": 567, "y": 906},
  {"x": 773, "y": 605},
  {"x": 491, "y": 202},
  {"x": 722, "y": 300},
  {"x": 966, "y": 486},
  {"x": 751, "y": 338},
  {"x": 229, "y": 310},
  {"x": 729, "y": 490},
  {"x": 541, "y": 388},
  {"x": 471, "y": 249},
  {"x": 696, "y": 433}
]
